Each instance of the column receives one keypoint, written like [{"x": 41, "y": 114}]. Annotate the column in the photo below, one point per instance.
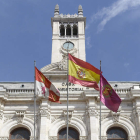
[
  {"x": 45, "y": 121},
  {"x": 93, "y": 120},
  {"x": 71, "y": 30},
  {"x": 65, "y": 25}
]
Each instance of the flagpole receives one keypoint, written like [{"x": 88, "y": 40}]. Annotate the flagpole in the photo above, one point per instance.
[
  {"x": 34, "y": 97},
  {"x": 100, "y": 99},
  {"x": 67, "y": 92}
]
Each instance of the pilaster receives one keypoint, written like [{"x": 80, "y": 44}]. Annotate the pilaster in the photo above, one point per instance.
[
  {"x": 45, "y": 121},
  {"x": 93, "y": 120}
]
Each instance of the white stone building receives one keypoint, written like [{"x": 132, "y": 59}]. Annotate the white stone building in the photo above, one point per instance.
[{"x": 17, "y": 102}]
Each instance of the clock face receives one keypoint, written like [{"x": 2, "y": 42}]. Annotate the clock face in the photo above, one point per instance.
[{"x": 68, "y": 45}]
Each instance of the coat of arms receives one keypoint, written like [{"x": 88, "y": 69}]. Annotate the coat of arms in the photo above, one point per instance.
[
  {"x": 107, "y": 91},
  {"x": 81, "y": 73}
]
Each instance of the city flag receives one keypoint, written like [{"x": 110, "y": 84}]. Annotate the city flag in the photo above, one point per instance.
[
  {"x": 108, "y": 96},
  {"x": 45, "y": 88},
  {"x": 83, "y": 73}
]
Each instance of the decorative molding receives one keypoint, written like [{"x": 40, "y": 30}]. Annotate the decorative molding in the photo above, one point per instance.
[
  {"x": 32, "y": 138},
  {"x": 103, "y": 137},
  {"x": 132, "y": 138},
  {"x": 44, "y": 113},
  {"x": 19, "y": 116},
  {"x": 4, "y": 138},
  {"x": 55, "y": 117},
  {"x": 115, "y": 116},
  {"x": 83, "y": 138},
  {"x": 70, "y": 113},
  {"x": 1, "y": 115},
  {"x": 6, "y": 118},
  {"x": 81, "y": 117},
  {"x": 52, "y": 137},
  {"x": 32, "y": 117},
  {"x": 93, "y": 112}
]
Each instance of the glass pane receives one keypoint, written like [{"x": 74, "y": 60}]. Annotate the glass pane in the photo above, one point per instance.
[
  {"x": 73, "y": 134},
  {"x": 116, "y": 133},
  {"x": 20, "y": 133},
  {"x": 68, "y": 45}
]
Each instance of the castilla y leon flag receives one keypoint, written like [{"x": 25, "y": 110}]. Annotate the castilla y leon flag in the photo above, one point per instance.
[
  {"x": 83, "y": 73},
  {"x": 108, "y": 96},
  {"x": 45, "y": 87}
]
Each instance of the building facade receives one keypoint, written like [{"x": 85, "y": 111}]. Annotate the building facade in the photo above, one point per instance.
[{"x": 17, "y": 98}]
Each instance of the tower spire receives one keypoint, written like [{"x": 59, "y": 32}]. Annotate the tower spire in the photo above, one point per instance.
[
  {"x": 80, "y": 11},
  {"x": 56, "y": 11}
]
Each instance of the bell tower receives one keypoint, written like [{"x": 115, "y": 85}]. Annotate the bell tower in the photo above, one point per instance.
[{"x": 68, "y": 35}]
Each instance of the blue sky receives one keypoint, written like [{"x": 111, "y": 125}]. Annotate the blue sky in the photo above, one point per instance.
[{"x": 112, "y": 36}]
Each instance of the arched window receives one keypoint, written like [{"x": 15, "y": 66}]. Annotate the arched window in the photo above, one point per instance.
[
  {"x": 62, "y": 30},
  {"x": 20, "y": 134},
  {"x": 68, "y": 31},
  {"x": 75, "y": 30},
  {"x": 116, "y": 133},
  {"x": 73, "y": 134}
]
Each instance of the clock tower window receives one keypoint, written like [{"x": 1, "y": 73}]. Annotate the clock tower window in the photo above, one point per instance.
[
  {"x": 62, "y": 30},
  {"x": 75, "y": 30},
  {"x": 68, "y": 30}
]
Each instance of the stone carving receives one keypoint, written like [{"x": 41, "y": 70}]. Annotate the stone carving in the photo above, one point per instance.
[
  {"x": 32, "y": 117},
  {"x": 4, "y": 138},
  {"x": 32, "y": 138},
  {"x": 115, "y": 116},
  {"x": 103, "y": 117},
  {"x": 44, "y": 113},
  {"x": 1, "y": 115},
  {"x": 103, "y": 137},
  {"x": 83, "y": 138},
  {"x": 63, "y": 63},
  {"x": 53, "y": 118},
  {"x": 127, "y": 117},
  {"x": 93, "y": 112},
  {"x": 69, "y": 114},
  {"x": 6, "y": 118},
  {"x": 53, "y": 138},
  {"x": 81, "y": 117},
  {"x": 19, "y": 116},
  {"x": 132, "y": 137}
]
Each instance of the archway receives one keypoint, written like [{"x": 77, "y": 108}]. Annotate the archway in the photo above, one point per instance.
[
  {"x": 20, "y": 134},
  {"x": 73, "y": 134},
  {"x": 116, "y": 133}
]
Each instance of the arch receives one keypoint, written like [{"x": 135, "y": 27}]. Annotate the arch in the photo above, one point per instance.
[
  {"x": 124, "y": 123},
  {"x": 75, "y": 30},
  {"x": 68, "y": 30},
  {"x": 73, "y": 134},
  {"x": 20, "y": 133},
  {"x": 117, "y": 133},
  {"x": 12, "y": 124},
  {"x": 75, "y": 123},
  {"x": 62, "y": 30}
]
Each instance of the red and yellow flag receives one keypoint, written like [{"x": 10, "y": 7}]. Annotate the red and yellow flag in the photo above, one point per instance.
[
  {"x": 83, "y": 73},
  {"x": 45, "y": 88}
]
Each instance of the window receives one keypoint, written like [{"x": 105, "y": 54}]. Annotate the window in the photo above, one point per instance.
[
  {"x": 62, "y": 30},
  {"x": 68, "y": 31},
  {"x": 116, "y": 133},
  {"x": 20, "y": 134},
  {"x": 73, "y": 134},
  {"x": 75, "y": 30}
]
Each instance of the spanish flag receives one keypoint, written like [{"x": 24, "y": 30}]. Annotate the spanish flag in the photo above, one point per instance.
[{"x": 83, "y": 73}]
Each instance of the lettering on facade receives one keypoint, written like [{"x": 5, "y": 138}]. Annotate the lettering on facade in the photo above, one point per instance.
[
  {"x": 65, "y": 84},
  {"x": 72, "y": 88}
]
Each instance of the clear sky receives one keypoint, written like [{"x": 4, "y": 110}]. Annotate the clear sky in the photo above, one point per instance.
[{"x": 112, "y": 36}]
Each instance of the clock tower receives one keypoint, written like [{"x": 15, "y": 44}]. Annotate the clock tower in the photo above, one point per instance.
[{"x": 68, "y": 35}]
